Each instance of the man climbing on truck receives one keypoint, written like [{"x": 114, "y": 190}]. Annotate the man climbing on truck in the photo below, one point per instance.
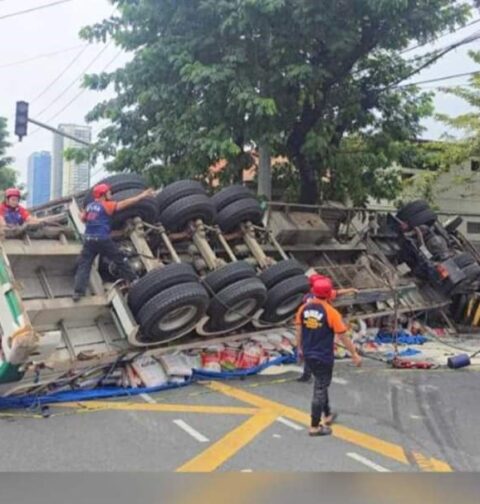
[
  {"x": 318, "y": 322},
  {"x": 98, "y": 224},
  {"x": 12, "y": 214}
]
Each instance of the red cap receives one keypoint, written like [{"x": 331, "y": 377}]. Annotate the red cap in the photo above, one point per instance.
[
  {"x": 322, "y": 288},
  {"x": 100, "y": 190},
  {"x": 12, "y": 191}
]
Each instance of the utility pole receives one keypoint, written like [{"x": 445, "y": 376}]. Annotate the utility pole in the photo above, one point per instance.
[{"x": 265, "y": 171}]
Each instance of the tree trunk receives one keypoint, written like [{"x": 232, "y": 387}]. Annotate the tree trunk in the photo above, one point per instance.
[{"x": 308, "y": 181}]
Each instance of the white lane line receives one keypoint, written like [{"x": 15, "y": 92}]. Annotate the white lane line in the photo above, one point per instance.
[
  {"x": 148, "y": 399},
  {"x": 290, "y": 424},
  {"x": 246, "y": 470},
  {"x": 190, "y": 430},
  {"x": 368, "y": 463},
  {"x": 339, "y": 381},
  {"x": 277, "y": 436}
]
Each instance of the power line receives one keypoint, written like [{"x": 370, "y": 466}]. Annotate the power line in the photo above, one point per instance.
[
  {"x": 76, "y": 96},
  {"x": 33, "y": 9},
  {"x": 443, "y": 34},
  {"x": 84, "y": 71},
  {"x": 438, "y": 79},
  {"x": 39, "y": 56},
  {"x": 61, "y": 74}
]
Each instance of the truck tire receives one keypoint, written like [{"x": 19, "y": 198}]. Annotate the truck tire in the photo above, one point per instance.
[
  {"x": 464, "y": 259},
  {"x": 285, "y": 298},
  {"x": 236, "y": 303},
  {"x": 229, "y": 195},
  {"x": 230, "y": 217},
  {"x": 157, "y": 280},
  {"x": 281, "y": 271},
  {"x": 146, "y": 209},
  {"x": 190, "y": 208},
  {"x": 178, "y": 190},
  {"x": 119, "y": 182},
  {"x": 172, "y": 312},
  {"x": 231, "y": 273},
  {"x": 424, "y": 218},
  {"x": 411, "y": 209},
  {"x": 459, "y": 308}
]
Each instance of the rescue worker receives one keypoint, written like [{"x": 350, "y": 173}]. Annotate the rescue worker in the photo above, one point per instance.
[
  {"x": 307, "y": 374},
  {"x": 98, "y": 219},
  {"x": 12, "y": 214},
  {"x": 318, "y": 323}
]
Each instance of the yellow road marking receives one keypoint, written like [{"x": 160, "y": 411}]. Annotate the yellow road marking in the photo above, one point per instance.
[
  {"x": 430, "y": 465},
  {"x": 166, "y": 408},
  {"x": 372, "y": 443},
  {"x": 218, "y": 453}
]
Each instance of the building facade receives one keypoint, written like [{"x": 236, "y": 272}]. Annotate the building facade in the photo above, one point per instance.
[
  {"x": 69, "y": 177},
  {"x": 39, "y": 178}
]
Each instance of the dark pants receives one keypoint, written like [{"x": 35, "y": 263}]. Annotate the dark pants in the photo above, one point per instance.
[
  {"x": 107, "y": 248},
  {"x": 307, "y": 373},
  {"x": 323, "y": 378}
]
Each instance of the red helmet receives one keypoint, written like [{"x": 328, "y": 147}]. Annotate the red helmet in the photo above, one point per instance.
[
  {"x": 100, "y": 190},
  {"x": 12, "y": 191},
  {"x": 323, "y": 288},
  {"x": 313, "y": 278}
]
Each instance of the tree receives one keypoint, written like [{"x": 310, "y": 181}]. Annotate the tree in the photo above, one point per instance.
[
  {"x": 8, "y": 176},
  {"x": 210, "y": 79}
]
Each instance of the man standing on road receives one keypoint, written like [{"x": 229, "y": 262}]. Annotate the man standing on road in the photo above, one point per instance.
[
  {"x": 307, "y": 374},
  {"x": 98, "y": 218},
  {"x": 318, "y": 322}
]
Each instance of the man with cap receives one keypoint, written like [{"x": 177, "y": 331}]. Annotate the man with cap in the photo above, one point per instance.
[
  {"x": 318, "y": 323},
  {"x": 307, "y": 374},
  {"x": 98, "y": 224},
  {"x": 12, "y": 214}
]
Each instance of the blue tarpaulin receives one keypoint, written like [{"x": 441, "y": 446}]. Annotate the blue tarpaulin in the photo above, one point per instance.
[
  {"x": 403, "y": 338},
  {"x": 110, "y": 392}
]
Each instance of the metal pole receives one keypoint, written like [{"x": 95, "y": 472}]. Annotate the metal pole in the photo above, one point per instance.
[{"x": 58, "y": 132}]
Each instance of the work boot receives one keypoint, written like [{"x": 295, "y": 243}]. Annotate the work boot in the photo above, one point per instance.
[
  {"x": 304, "y": 378},
  {"x": 76, "y": 297}
]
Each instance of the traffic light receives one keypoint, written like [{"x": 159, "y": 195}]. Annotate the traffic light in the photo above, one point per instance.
[{"x": 21, "y": 119}]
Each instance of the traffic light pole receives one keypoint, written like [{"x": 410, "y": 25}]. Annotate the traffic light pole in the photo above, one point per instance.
[{"x": 58, "y": 132}]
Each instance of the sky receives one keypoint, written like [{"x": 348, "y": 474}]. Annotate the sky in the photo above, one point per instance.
[{"x": 53, "y": 90}]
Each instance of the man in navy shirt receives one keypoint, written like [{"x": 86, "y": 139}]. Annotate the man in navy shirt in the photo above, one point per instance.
[
  {"x": 318, "y": 322},
  {"x": 98, "y": 219}
]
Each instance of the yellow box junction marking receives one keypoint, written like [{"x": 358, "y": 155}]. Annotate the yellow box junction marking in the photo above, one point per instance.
[
  {"x": 372, "y": 443},
  {"x": 263, "y": 414}
]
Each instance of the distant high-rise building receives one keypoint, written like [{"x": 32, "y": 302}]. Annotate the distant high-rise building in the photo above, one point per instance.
[
  {"x": 38, "y": 178},
  {"x": 69, "y": 177}
]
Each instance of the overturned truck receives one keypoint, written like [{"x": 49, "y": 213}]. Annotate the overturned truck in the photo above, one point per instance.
[{"x": 210, "y": 269}]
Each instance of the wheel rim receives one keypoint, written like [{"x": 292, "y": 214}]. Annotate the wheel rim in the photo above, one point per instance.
[
  {"x": 240, "y": 310},
  {"x": 177, "y": 318},
  {"x": 290, "y": 304}
]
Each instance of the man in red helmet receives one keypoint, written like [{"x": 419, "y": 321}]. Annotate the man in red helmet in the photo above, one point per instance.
[
  {"x": 318, "y": 323},
  {"x": 307, "y": 374},
  {"x": 12, "y": 214},
  {"x": 98, "y": 224}
]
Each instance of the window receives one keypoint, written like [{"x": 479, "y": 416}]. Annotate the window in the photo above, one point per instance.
[
  {"x": 475, "y": 165},
  {"x": 473, "y": 227}
]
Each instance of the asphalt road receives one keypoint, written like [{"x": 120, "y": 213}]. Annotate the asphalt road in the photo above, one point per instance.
[{"x": 388, "y": 421}]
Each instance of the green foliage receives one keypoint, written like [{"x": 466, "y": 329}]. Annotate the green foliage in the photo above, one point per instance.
[
  {"x": 8, "y": 176},
  {"x": 211, "y": 79}
]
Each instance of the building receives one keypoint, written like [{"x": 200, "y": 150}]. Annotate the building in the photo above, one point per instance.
[
  {"x": 69, "y": 177},
  {"x": 39, "y": 178}
]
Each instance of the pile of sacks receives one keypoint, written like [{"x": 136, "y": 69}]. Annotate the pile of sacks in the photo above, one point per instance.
[{"x": 180, "y": 367}]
